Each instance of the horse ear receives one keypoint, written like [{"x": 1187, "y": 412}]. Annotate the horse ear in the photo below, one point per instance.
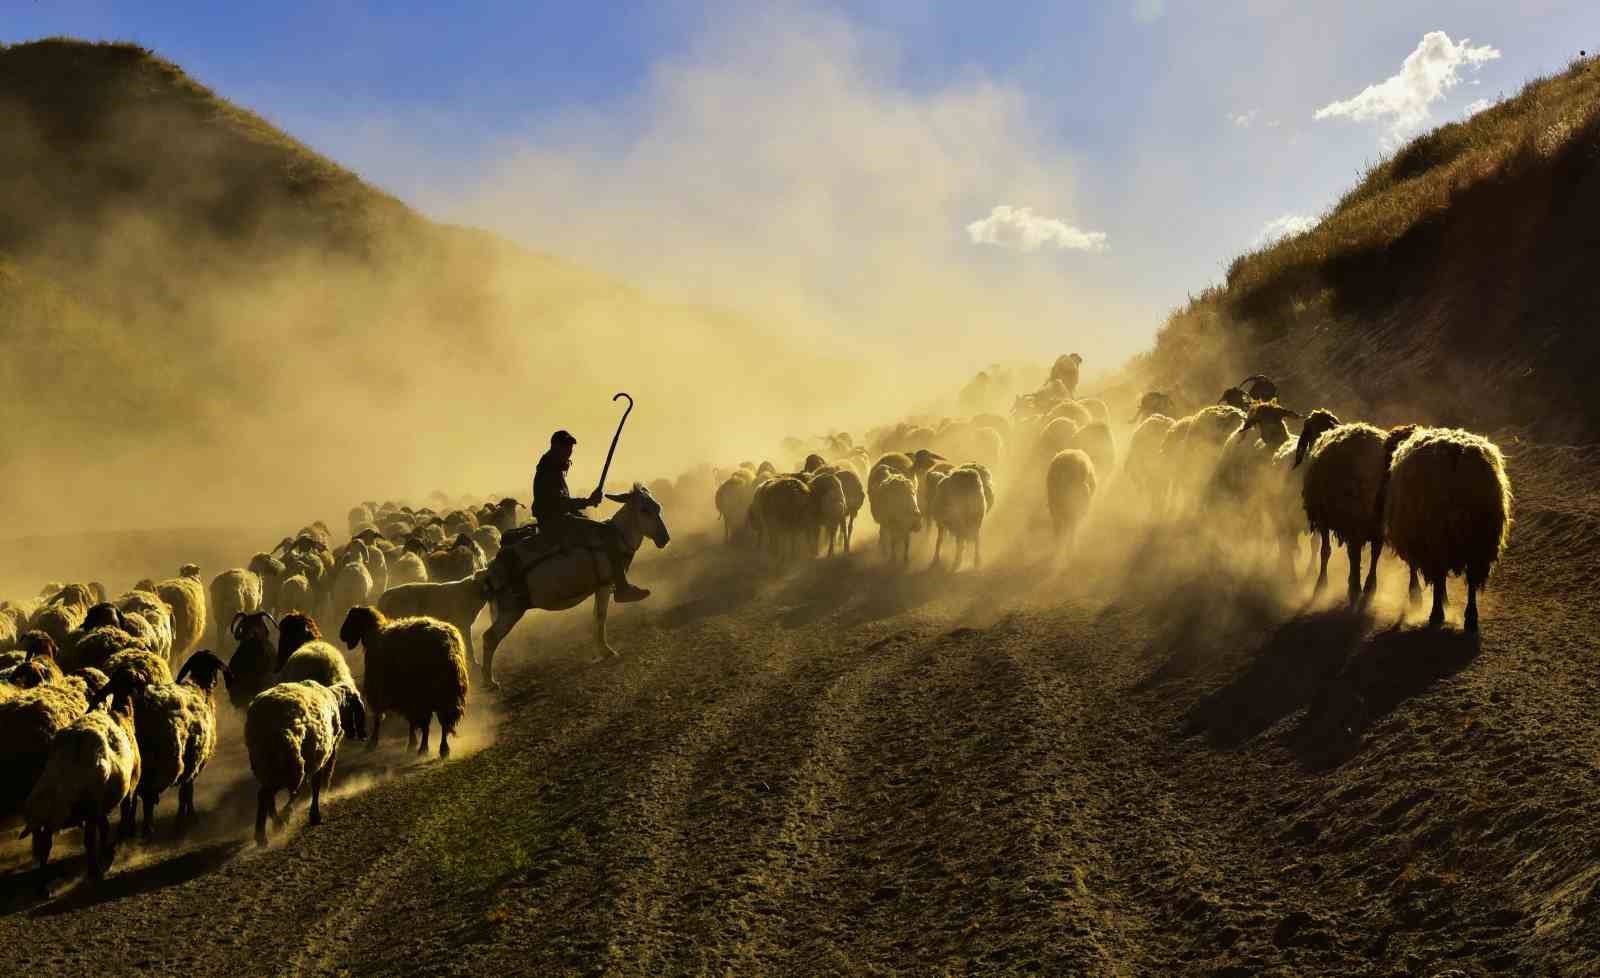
[{"x": 619, "y": 497}]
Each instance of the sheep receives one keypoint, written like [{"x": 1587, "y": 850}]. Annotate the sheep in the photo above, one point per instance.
[
  {"x": 92, "y": 769},
  {"x": 488, "y": 540},
  {"x": 1447, "y": 510},
  {"x": 1143, "y": 465},
  {"x": 271, "y": 570},
  {"x": 416, "y": 667},
  {"x": 462, "y": 558},
  {"x": 927, "y": 481},
  {"x": 1072, "y": 411},
  {"x": 253, "y": 660},
  {"x": 62, "y": 612},
  {"x": 295, "y": 591},
  {"x": 175, "y": 726},
  {"x": 295, "y": 629},
  {"x": 1346, "y": 468},
  {"x": 12, "y": 624},
  {"x": 733, "y": 499},
  {"x": 186, "y": 596},
  {"x": 828, "y": 506},
  {"x": 854, "y": 497},
  {"x": 781, "y": 512},
  {"x": 1057, "y": 436},
  {"x": 317, "y": 661},
  {"x": 1241, "y": 487},
  {"x": 456, "y": 602},
  {"x": 292, "y": 732},
  {"x": 1070, "y": 484},
  {"x": 148, "y": 666},
  {"x": 1094, "y": 440},
  {"x": 1195, "y": 456},
  {"x": 893, "y": 502},
  {"x": 1154, "y": 402},
  {"x": 157, "y": 628},
  {"x": 36, "y": 663},
  {"x": 960, "y": 501},
  {"x": 352, "y": 585},
  {"x": 233, "y": 592},
  {"x": 1098, "y": 413},
  {"x": 29, "y": 718}
]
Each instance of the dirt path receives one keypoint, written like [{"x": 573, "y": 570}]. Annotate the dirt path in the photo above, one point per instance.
[{"x": 843, "y": 771}]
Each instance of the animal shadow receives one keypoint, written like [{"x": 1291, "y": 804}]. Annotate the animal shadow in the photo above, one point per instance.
[{"x": 141, "y": 879}]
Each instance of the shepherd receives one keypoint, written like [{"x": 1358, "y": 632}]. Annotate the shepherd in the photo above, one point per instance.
[{"x": 559, "y": 515}]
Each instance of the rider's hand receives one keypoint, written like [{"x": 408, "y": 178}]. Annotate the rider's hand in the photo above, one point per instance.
[{"x": 594, "y": 498}]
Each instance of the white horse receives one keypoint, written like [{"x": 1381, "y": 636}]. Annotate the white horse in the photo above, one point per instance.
[{"x": 567, "y": 579}]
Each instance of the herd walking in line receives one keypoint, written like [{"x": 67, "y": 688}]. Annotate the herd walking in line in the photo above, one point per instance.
[{"x": 93, "y": 720}]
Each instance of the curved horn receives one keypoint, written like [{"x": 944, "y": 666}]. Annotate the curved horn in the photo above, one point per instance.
[
  {"x": 185, "y": 670},
  {"x": 268, "y": 616}
]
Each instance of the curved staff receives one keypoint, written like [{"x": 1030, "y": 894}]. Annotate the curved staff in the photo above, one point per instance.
[{"x": 613, "y": 450}]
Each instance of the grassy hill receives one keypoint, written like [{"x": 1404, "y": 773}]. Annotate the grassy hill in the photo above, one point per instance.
[
  {"x": 205, "y": 321},
  {"x": 1454, "y": 284}
]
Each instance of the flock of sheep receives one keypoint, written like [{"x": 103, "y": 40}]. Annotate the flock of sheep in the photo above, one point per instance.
[
  {"x": 1438, "y": 497},
  {"x": 93, "y": 720}
]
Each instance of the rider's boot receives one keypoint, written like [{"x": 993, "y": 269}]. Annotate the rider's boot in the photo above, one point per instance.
[{"x": 622, "y": 591}]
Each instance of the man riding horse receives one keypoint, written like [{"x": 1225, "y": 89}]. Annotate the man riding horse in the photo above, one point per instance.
[{"x": 559, "y": 519}]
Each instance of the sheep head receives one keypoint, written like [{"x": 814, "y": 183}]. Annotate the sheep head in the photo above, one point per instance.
[
  {"x": 189, "y": 570},
  {"x": 1317, "y": 423},
  {"x": 1235, "y": 397},
  {"x": 38, "y": 645},
  {"x": 205, "y": 667},
  {"x": 359, "y": 624},
  {"x": 1154, "y": 402},
  {"x": 252, "y": 624},
  {"x": 295, "y": 630}
]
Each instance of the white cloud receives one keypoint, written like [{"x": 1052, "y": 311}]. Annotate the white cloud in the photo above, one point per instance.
[
  {"x": 1474, "y": 107},
  {"x": 1286, "y": 226},
  {"x": 1402, "y": 100},
  {"x": 1243, "y": 119},
  {"x": 1019, "y": 228},
  {"x": 1145, "y": 11}
]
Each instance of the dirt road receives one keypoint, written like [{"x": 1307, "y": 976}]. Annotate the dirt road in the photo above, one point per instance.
[{"x": 845, "y": 771}]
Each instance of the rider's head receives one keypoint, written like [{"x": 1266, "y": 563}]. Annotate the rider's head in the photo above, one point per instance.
[{"x": 561, "y": 445}]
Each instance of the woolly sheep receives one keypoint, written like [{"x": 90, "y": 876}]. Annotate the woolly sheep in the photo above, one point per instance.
[
  {"x": 292, "y": 733},
  {"x": 782, "y": 515},
  {"x": 1447, "y": 510},
  {"x": 828, "y": 505},
  {"x": 1202, "y": 436},
  {"x": 233, "y": 592},
  {"x": 416, "y": 667},
  {"x": 1094, "y": 440},
  {"x": 186, "y": 596},
  {"x": 1056, "y": 436},
  {"x": 352, "y": 585},
  {"x": 1345, "y": 472},
  {"x": 159, "y": 635},
  {"x": 893, "y": 502},
  {"x": 271, "y": 571},
  {"x": 36, "y": 663},
  {"x": 175, "y": 726},
  {"x": 295, "y": 591},
  {"x": 1098, "y": 413},
  {"x": 319, "y": 662},
  {"x": 960, "y": 502},
  {"x": 28, "y": 720},
  {"x": 456, "y": 602},
  {"x": 92, "y": 769},
  {"x": 488, "y": 540},
  {"x": 733, "y": 499},
  {"x": 1070, "y": 484},
  {"x": 148, "y": 666},
  {"x": 254, "y": 659},
  {"x": 1143, "y": 465},
  {"x": 1154, "y": 402},
  {"x": 62, "y": 612},
  {"x": 855, "y": 496},
  {"x": 462, "y": 558}
]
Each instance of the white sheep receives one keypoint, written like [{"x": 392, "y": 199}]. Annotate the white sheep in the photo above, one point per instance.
[
  {"x": 1069, "y": 489},
  {"x": 960, "y": 501},
  {"x": 1447, "y": 510},
  {"x": 292, "y": 733},
  {"x": 186, "y": 596},
  {"x": 233, "y": 592},
  {"x": 176, "y": 727},
  {"x": 352, "y": 583},
  {"x": 92, "y": 770},
  {"x": 416, "y": 667},
  {"x": 1144, "y": 466},
  {"x": 893, "y": 503},
  {"x": 29, "y": 719},
  {"x": 733, "y": 499},
  {"x": 1346, "y": 468}
]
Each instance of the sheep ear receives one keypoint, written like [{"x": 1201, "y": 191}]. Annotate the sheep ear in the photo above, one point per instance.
[{"x": 184, "y": 671}]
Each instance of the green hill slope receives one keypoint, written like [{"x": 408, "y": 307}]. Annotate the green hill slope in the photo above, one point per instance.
[{"x": 1455, "y": 284}]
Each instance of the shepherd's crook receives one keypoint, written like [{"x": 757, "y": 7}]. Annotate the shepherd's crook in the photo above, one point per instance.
[{"x": 603, "y": 472}]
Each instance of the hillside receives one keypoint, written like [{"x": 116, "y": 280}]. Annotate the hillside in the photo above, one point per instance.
[
  {"x": 1454, "y": 284},
  {"x": 202, "y": 309}
]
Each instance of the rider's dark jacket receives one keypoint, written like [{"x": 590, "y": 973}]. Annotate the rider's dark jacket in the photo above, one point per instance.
[{"x": 551, "y": 500}]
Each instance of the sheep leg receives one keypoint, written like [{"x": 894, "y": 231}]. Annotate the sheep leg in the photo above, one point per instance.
[
  {"x": 411, "y": 737},
  {"x": 1322, "y": 575},
  {"x": 42, "y": 842},
  {"x": 130, "y": 817},
  {"x": 1413, "y": 589},
  {"x": 266, "y": 804},
  {"x": 938, "y": 545},
  {"x": 1436, "y": 618},
  {"x": 977, "y": 551},
  {"x": 1470, "y": 622},
  {"x": 91, "y": 846},
  {"x": 1372, "y": 569},
  {"x": 150, "y": 799},
  {"x": 377, "y": 724},
  {"x": 108, "y": 844},
  {"x": 961, "y": 548},
  {"x": 185, "y": 806},
  {"x": 1353, "y": 551},
  {"x": 318, "y": 782},
  {"x": 444, "y": 741},
  {"x": 427, "y": 732}
]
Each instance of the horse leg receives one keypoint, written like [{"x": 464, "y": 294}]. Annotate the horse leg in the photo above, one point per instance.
[
  {"x": 602, "y": 604},
  {"x": 503, "y": 617}
]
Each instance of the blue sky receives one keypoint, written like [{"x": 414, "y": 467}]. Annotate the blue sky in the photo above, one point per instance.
[{"x": 676, "y": 142}]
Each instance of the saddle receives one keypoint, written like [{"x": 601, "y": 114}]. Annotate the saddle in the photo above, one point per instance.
[{"x": 523, "y": 548}]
